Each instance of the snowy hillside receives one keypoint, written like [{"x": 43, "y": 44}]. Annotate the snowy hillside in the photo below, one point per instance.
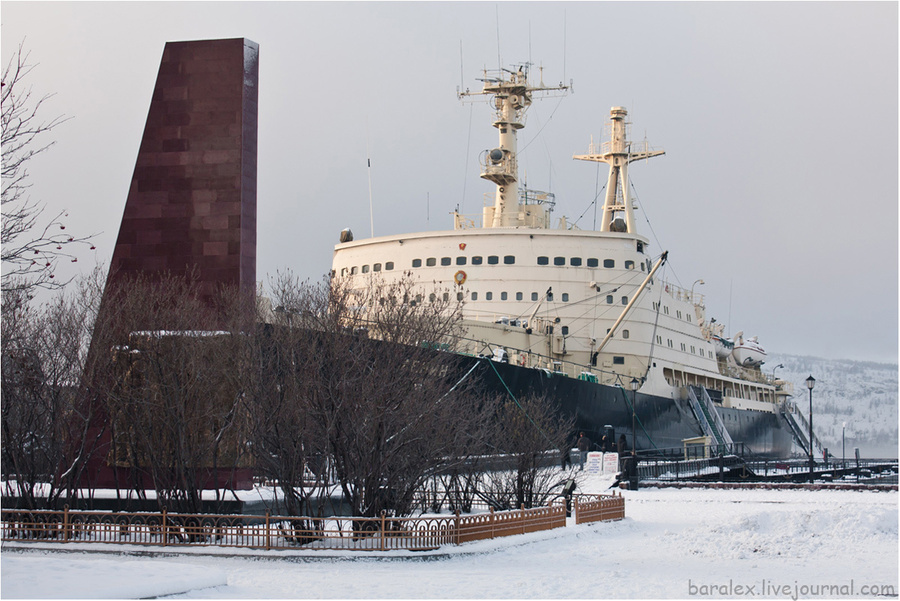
[{"x": 861, "y": 394}]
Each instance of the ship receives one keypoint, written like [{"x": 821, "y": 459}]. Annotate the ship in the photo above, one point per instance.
[{"x": 583, "y": 317}]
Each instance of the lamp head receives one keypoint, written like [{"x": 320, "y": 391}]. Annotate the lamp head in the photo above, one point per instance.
[
  {"x": 635, "y": 384},
  {"x": 810, "y": 382}
]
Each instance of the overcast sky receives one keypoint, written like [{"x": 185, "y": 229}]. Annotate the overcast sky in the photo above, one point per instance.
[{"x": 779, "y": 186}]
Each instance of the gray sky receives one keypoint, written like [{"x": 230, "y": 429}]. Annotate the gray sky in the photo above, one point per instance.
[{"x": 780, "y": 120}]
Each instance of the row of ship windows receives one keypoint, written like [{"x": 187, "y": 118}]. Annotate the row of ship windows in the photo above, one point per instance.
[
  {"x": 687, "y": 316},
  {"x": 684, "y": 347},
  {"x": 489, "y": 296},
  {"x": 493, "y": 260}
]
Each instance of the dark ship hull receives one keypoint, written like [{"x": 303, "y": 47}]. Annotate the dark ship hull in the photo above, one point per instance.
[{"x": 659, "y": 423}]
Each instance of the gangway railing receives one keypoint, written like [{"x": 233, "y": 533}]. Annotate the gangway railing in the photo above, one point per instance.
[{"x": 710, "y": 420}]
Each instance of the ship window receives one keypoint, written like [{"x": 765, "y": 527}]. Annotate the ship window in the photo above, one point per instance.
[
  {"x": 534, "y": 296},
  {"x": 460, "y": 260},
  {"x": 519, "y": 296},
  {"x": 503, "y": 296},
  {"x": 640, "y": 247},
  {"x": 593, "y": 262},
  {"x": 509, "y": 260},
  {"x": 493, "y": 260},
  {"x": 575, "y": 261},
  {"x": 624, "y": 300},
  {"x": 417, "y": 262},
  {"x": 543, "y": 260},
  {"x": 669, "y": 342},
  {"x": 353, "y": 270},
  {"x": 618, "y": 360},
  {"x": 376, "y": 267},
  {"x": 365, "y": 269},
  {"x": 678, "y": 313},
  {"x": 460, "y": 296},
  {"x": 693, "y": 350},
  {"x": 550, "y": 296},
  {"x": 445, "y": 261},
  {"x": 683, "y": 347},
  {"x": 688, "y": 317},
  {"x": 488, "y": 296},
  {"x": 446, "y": 296},
  {"x": 609, "y": 299},
  {"x": 666, "y": 310},
  {"x": 702, "y": 353},
  {"x": 609, "y": 263},
  {"x": 343, "y": 271},
  {"x": 432, "y": 297},
  {"x": 418, "y": 298},
  {"x": 565, "y": 330},
  {"x": 430, "y": 262},
  {"x": 659, "y": 340},
  {"x": 559, "y": 260},
  {"x": 626, "y": 334},
  {"x": 474, "y": 296},
  {"x": 642, "y": 267},
  {"x": 476, "y": 260},
  {"x": 565, "y": 297},
  {"x": 629, "y": 264},
  {"x": 389, "y": 266}
]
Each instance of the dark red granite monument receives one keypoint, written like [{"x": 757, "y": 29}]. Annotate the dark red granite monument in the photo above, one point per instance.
[
  {"x": 192, "y": 200},
  {"x": 191, "y": 206}
]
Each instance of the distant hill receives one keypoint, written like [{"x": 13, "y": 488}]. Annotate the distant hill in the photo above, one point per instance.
[{"x": 862, "y": 394}]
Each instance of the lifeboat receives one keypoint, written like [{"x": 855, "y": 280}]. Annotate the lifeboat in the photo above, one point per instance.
[
  {"x": 724, "y": 347},
  {"x": 748, "y": 353}
]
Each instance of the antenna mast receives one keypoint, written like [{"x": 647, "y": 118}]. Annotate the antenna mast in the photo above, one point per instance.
[{"x": 511, "y": 98}]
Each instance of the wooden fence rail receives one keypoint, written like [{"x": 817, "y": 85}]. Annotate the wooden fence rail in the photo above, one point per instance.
[{"x": 282, "y": 532}]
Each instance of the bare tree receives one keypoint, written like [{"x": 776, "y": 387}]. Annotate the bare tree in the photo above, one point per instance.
[
  {"x": 47, "y": 427},
  {"x": 530, "y": 432},
  {"x": 31, "y": 243},
  {"x": 174, "y": 398}
]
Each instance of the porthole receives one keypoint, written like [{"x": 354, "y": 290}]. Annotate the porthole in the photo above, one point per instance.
[
  {"x": 503, "y": 296},
  {"x": 609, "y": 263},
  {"x": 430, "y": 262},
  {"x": 445, "y": 261},
  {"x": 376, "y": 267},
  {"x": 575, "y": 261},
  {"x": 534, "y": 296},
  {"x": 417, "y": 263},
  {"x": 488, "y": 296},
  {"x": 509, "y": 260},
  {"x": 477, "y": 260},
  {"x": 461, "y": 260},
  {"x": 559, "y": 260},
  {"x": 519, "y": 296},
  {"x": 493, "y": 260},
  {"x": 389, "y": 266},
  {"x": 593, "y": 262},
  {"x": 543, "y": 260},
  {"x": 565, "y": 297}
]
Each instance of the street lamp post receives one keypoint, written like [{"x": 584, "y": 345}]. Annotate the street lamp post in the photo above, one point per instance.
[
  {"x": 810, "y": 382},
  {"x": 635, "y": 384},
  {"x": 843, "y": 447},
  {"x": 776, "y": 368}
]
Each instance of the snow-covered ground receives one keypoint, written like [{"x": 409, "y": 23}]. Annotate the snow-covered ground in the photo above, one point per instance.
[{"x": 674, "y": 543}]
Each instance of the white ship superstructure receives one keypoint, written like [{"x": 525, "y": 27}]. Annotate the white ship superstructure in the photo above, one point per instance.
[{"x": 576, "y": 303}]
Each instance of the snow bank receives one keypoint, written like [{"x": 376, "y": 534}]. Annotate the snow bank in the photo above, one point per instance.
[{"x": 45, "y": 576}]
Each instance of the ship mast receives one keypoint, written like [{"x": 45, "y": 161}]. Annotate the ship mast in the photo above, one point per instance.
[
  {"x": 618, "y": 212},
  {"x": 511, "y": 98}
]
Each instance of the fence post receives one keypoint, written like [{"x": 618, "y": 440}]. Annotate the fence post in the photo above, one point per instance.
[
  {"x": 268, "y": 544},
  {"x": 492, "y": 521},
  {"x": 66, "y": 522},
  {"x": 522, "y": 510},
  {"x": 382, "y": 529},
  {"x": 456, "y": 526},
  {"x": 165, "y": 528}
]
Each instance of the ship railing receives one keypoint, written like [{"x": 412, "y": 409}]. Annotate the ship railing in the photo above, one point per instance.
[
  {"x": 679, "y": 293},
  {"x": 556, "y": 367}
]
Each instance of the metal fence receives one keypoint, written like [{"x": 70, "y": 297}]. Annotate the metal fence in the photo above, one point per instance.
[{"x": 280, "y": 532}]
